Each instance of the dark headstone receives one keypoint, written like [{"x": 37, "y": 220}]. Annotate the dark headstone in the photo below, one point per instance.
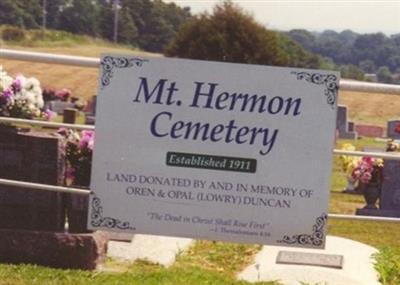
[
  {"x": 69, "y": 116},
  {"x": 59, "y": 250},
  {"x": 342, "y": 124},
  {"x": 369, "y": 131},
  {"x": 393, "y": 129},
  {"x": 351, "y": 126},
  {"x": 31, "y": 157},
  {"x": 390, "y": 197}
]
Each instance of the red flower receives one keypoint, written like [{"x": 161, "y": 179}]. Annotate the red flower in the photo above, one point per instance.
[{"x": 397, "y": 128}]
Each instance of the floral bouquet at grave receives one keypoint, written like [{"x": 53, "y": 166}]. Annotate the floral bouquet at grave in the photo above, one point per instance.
[
  {"x": 368, "y": 170},
  {"x": 392, "y": 146},
  {"x": 78, "y": 148},
  {"x": 348, "y": 164},
  {"x": 21, "y": 97}
]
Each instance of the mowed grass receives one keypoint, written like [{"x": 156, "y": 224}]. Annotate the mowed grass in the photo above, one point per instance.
[{"x": 370, "y": 108}]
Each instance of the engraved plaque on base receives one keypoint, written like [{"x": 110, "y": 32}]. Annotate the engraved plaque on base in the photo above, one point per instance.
[{"x": 307, "y": 258}]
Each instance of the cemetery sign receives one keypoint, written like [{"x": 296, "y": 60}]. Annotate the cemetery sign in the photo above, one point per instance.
[{"x": 212, "y": 150}]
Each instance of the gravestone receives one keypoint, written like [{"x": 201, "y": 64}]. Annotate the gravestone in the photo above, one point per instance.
[
  {"x": 31, "y": 157},
  {"x": 369, "y": 131},
  {"x": 390, "y": 197},
  {"x": 393, "y": 129},
  {"x": 69, "y": 116},
  {"x": 91, "y": 111},
  {"x": 351, "y": 126},
  {"x": 342, "y": 124},
  {"x": 59, "y": 106}
]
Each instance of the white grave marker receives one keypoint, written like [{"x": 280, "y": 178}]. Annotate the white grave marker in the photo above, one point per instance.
[{"x": 212, "y": 150}]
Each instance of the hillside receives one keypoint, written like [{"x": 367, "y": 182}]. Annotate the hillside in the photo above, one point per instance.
[
  {"x": 81, "y": 81},
  {"x": 364, "y": 108}
]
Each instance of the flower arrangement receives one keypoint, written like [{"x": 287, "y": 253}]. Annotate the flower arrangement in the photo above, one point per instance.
[
  {"x": 368, "y": 169},
  {"x": 78, "y": 155},
  {"x": 21, "y": 97},
  {"x": 360, "y": 170}
]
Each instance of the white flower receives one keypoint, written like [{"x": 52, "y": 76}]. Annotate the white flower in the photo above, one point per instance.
[{"x": 5, "y": 79}]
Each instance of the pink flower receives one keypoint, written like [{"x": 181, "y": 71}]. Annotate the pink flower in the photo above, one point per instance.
[
  {"x": 366, "y": 177},
  {"x": 87, "y": 140},
  {"x": 63, "y": 94},
  {"x": 49, "y": 115}
]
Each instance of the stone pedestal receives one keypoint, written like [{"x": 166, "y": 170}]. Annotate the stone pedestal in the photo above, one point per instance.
[{"x": 59, "y": 250}]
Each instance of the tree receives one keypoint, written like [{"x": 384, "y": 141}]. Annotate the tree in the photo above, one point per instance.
[
  {"x": 228, "y": 34},
  {"x": 368, "y": 66},
  {"x": 127, "y": 31},
  {"x": 352, "y": 72},
  {"x": 80, "y": 17},
  {"x": 24, "y": 14},
  {"x": 384, "y": 74}
]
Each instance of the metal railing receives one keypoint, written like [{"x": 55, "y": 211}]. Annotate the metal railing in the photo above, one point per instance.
[
  {"x": 95, "y": 62},
  {"x": 345, "y": 84}
]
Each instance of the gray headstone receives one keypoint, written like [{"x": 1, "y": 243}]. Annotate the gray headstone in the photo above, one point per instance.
[
  {"x": 31, "y": 157},
  {"x": 91, "y": 107},
  {"x": 392, "y": 126},
  {"x": 59, "y": 106},
  {"x": 308, "y": 258},
  {"x": 342, "y": 124},
  {"x": 390, "y": 197}
]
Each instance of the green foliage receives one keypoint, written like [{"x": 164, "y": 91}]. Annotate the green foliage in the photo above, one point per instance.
[
  {"x": 20, "y": 13},
  {"x": 13, "y": 34},
  {"x": 367, "y": 51},
  {"x": 147, "y": 24},
  {"x": 229, "y": 34},
  {"x": 384, "y": 74},
  {"x": 351, "y": 71},
  {"x": 388, "y": 265},
  {"x": 79, "y": 17}
]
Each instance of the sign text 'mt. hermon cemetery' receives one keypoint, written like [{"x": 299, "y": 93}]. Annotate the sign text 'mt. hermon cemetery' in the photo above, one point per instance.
[{"x": 213, "y": 150}]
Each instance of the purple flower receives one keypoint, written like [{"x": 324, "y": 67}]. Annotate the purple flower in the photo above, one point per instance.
[
  {"x": 17, "y": 84},
  {"x": 50, "y": 115},
  {"x": 7, "y": 93}
]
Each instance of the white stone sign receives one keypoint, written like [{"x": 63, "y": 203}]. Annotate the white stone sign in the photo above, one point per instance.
[{"x": 212, "y": 150}]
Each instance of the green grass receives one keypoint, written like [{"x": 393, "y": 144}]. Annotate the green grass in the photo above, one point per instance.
[
  {"x": 139, "y": 273},
  {"x": 388, "y": 265}
]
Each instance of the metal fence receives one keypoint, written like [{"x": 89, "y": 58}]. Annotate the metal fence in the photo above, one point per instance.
[{"x": 95, "y": 62}]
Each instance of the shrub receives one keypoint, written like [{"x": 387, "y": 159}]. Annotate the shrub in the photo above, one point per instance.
[{"x": 13, "y": 34}]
